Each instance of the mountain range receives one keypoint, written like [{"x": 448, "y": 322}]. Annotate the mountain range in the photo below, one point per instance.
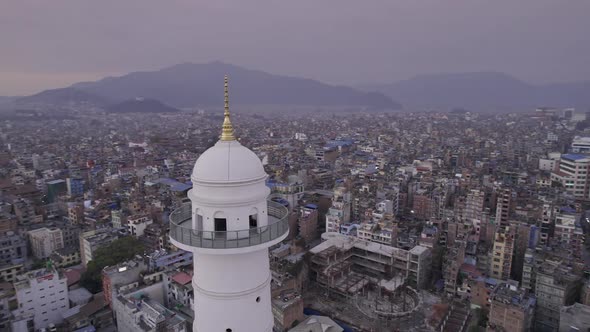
[
  {"x": 483, "y": 91},
  {"x": 190, "y": 85},
  {"x": 201, "y": 85}
]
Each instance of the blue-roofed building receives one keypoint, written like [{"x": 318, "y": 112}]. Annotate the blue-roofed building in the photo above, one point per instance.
[{"x": 173, "y": 185}]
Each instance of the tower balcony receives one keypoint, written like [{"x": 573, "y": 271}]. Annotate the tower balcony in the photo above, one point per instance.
[{"x": 182, "y": 232}]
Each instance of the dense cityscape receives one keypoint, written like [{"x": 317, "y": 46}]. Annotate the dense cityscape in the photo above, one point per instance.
[
  {"x": 428, "y": 221},
  {"x": 294, "y": 166}
]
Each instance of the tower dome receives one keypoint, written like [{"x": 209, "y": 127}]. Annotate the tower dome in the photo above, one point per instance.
[{"x": 228, "y": 161}]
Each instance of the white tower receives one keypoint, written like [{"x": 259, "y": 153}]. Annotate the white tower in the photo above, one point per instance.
[{"x": 229, "y": 226}]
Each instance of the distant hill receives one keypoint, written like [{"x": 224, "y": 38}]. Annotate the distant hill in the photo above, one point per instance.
[
  {"x": 6, "y": 100},
  {"x": 189, "y": 85},
  {"x": 141, "y": 105},
  {"x": 483, "y": 91},
  {"x": 64, "y": 96}
]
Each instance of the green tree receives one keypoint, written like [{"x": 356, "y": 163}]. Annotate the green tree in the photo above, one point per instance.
[{"x": 117, "y": 252}]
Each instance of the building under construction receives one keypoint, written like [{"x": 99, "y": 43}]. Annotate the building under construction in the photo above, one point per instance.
[{"x": 346, "y": 265}]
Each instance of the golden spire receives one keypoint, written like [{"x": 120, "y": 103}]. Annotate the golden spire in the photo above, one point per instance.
[{"x": 227, "y": 132}]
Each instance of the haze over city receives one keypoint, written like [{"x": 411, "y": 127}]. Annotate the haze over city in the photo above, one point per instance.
[
  {"x": 302, "y": 166},
  {"x": 50, "y": 44}
]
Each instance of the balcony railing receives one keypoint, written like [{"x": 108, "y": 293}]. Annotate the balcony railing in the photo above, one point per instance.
[{"x": 181, "y": 230}]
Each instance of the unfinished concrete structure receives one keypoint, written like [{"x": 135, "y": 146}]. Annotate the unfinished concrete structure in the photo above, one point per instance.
[{"x": 347, "y": 264}]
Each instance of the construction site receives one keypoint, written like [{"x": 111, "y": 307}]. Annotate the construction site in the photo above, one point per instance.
[{"x": 374, "y": 285}]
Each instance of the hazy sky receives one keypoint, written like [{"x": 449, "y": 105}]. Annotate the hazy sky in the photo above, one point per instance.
[{"x": 52, "y": 43}]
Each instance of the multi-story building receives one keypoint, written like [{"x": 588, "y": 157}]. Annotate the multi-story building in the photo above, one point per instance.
[
  {"x": 43, "y": 293},
  {"x": 292, "y": 191},
  {"x": 54, "y": 189},
  {"x": 137, "y": 224},
  {"x": 574, "y": 318},
  {"x": 137, "y": 311},
  {"x": 339, "y": 212},
  {"x": 342, "y": 252},
  {"x": 92, "y": 240},
  {"x": 9, "y": 272},
  {"x": 118, "y": 219},
  {"x": 6, "y": 302},
  {"x": 24, "y": 210},
  {"x": 179, "y": 293},
  {"x": 580, "y": 144},
  {"x": 546, "y": 224},
  {"x": 474, "y": 205},
  {"x": 75, "y": 186},
  {"x": 75, "y": 213},
  {"x": 44, "y": 241},
  {"x": 556, "y": 286},
  {"x": 308, "y": 222},
  {"x": 66, "y": 256},
  {"x": 572, "y": 174},
  {"x": 565, "y": 227},
  {"x": 384, "y": 232},
  {"x": 287, "y": 309},
  {"x": 529, "y": 271},
  {"x": 119, "y": 275},
  {"x": 453, "y": 261},
  {"x": 502, "y": 252},
  {"x": 13, "y": 248},
  {"x": 511, "y": 309},
  {"x": 162, "y": 259},
  {"x": 504, "y": 206}
]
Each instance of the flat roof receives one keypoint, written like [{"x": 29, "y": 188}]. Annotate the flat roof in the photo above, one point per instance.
[{"x": 574, "y": 156}]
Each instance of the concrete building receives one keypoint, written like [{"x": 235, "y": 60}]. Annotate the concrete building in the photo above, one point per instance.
[
  {"x": 572, "y": 174},
  {"x": 92, "y": 240},
  {"x": 6, "y": 302},
  {"x": 13, "y": 248},
  {"x": 137, "y": 224},
  {"x": 565, "y": 227},
  {"x": 45, "y": 241},
  {"x": 580, "y": 144},
  {"x": 502, "y": 252},
  {"x": 504, "y": 207},
  {"x": 66, "y": 257},
  {"x": 162, "y": 259},
  {"x": 339, "y": 212},
  {"x": 511, "y": 309},
  {"x": 556, "y": 286},
  {"x": 308, "y": 222},
  {"x": 54, "y": 189},
  {"x": 474, "y": 205},
  {"x": 341, "y": 253},
  {"x": 178, "y": 289},
  {"x": 118, "y": 219},
  {"x": 384, "y": 232},
  {"x": 287, "y": 310},
  {"x": 75, "y": 187},
  {"x": 229, "y": 226},
  {"x": 574, "y": 318},
  {"x": 292, "y": 191},
  {"x": 43, "y": 293},
  {"x": 137, "y": 311},
  {"x": 9, "y": 272},
  {"x": 120, "y": 275}
]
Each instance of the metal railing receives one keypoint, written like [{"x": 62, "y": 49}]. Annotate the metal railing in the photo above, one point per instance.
[{"x": 181, "y": 230}]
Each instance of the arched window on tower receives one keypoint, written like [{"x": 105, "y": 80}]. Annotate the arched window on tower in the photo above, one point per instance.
[
  {"x": 198, "y": 221},
  {"x": 253, "y": 219},
  {"x": 220, "y": 224}
]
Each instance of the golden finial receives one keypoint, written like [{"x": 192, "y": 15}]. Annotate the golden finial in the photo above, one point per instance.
[{"x": 227, "y": 132}]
